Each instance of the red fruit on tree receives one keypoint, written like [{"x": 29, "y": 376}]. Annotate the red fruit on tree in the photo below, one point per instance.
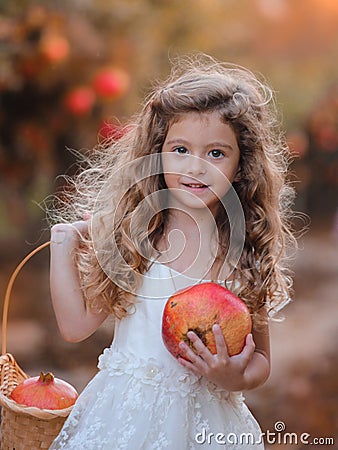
[
  {"x": 115, "y": 131},
  {"x": 55, "y": 48},
  {"x": 45, "y": 392},
  {"x": 111, "y": 83},
  {"x": 80, "y": 100},
  {"x": 110, "y": 130},
  {"x": 197, "y": 309}
]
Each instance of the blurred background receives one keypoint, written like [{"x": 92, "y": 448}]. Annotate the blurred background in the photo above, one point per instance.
[{"x": 72, "y": 72}]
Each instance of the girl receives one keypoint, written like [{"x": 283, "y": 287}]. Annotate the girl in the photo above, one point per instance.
[{"x": 195, "y": 190}]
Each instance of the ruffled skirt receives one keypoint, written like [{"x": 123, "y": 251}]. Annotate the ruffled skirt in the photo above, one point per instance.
[{"x": 137, "y": 404}]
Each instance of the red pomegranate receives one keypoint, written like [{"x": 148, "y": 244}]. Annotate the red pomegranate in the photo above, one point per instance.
[
  {"x": 55, "y": 48},
  {"x": 111, "y": 83},
  {"x": 45, "y": 392},
  {"x": 197, "y": 309},
  {"x": 115, "y": 131},
  {"x": 80, "y": 100}
]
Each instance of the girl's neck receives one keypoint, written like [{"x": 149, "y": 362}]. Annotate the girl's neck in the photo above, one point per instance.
[
  {"x": 201, "y": 224},
  {"x": 189, "y": 244}
]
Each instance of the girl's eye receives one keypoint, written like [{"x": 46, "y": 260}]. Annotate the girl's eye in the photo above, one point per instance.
[
  {"x": 216, "y": 154},
  {"x": 180, "y": 150}
]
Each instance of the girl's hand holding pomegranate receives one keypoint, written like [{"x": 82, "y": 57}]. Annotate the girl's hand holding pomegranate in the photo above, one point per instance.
[{"x": 233, "y": 373}]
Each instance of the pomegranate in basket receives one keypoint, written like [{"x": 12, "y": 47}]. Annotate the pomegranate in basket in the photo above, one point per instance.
[{"x": 45, "y": 392}]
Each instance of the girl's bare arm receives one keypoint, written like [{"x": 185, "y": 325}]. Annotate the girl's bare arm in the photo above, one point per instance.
[
  {"x": 75, "y": 320},
  {"x": 258, "y": 369}
]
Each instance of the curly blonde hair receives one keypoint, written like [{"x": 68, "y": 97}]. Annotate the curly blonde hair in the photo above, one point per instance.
[{"x": 117, "y": 188}]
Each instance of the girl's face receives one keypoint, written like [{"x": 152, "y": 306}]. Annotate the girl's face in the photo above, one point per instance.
[{"x": 200, "y": 159}]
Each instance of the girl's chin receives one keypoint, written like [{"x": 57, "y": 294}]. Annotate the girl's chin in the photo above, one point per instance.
[{"x": 187, "y": 200}]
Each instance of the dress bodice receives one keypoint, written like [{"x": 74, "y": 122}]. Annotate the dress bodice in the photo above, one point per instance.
[{"x": 140, "y": 333}]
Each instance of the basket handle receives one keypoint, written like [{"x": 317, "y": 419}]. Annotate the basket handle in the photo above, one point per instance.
[{"x": 8, "y": 293}]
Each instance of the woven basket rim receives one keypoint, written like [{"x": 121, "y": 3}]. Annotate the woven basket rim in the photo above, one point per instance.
[{"x": 45, "y": 414}]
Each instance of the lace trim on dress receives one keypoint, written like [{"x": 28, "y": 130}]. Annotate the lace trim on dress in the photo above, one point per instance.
[{"x": 151, "y": 371}]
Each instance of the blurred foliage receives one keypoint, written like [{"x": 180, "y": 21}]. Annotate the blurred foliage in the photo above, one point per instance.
[
  {"x": 322, "y": 157},
  {"x": 53, "y": 52}
]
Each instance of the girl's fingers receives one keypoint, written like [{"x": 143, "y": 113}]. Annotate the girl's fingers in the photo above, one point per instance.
[
  {"x": 189, "y": 365},
  {"x": 195, "y": 359},
  {"x": 81, "y": 226},
  {"x": 69, "y": 232},
  {"x": 248, "y": 350},
  {"x": 59, "y": 233},
  {"x": 201, "y": 349},
  {"x": 221, "y": 346},
  {"x": 188, "y": 352}
]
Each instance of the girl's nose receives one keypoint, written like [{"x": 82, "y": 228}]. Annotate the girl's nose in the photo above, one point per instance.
[{"x": 196, "y": 165}]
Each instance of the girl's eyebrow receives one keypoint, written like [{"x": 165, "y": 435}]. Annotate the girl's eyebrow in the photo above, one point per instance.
[
  {"x": 177, "y": 141},
  {"x": 211, "y": 144},
  {"x": 220, "y": 144}
]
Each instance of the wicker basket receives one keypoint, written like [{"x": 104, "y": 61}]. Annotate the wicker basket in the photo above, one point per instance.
[{"x": 23, "y": 427}]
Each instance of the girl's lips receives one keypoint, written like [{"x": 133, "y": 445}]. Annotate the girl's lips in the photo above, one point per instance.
[{"x": 195, "y": 186}]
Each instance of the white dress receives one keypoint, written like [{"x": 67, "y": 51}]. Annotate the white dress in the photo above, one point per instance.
[{"x": 143, "y": 399}]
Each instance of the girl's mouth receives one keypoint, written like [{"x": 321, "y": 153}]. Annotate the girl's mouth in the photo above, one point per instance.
[{"x": 195, "y": 185}]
